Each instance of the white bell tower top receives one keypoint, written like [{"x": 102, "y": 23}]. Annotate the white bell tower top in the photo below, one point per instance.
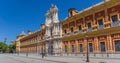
[
  {"x": 48, "y": 19},
  {"x": 54, "y": 13}
]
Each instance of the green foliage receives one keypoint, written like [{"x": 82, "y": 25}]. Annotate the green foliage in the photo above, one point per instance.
[
  {"x": 3, "y": 47},
  {"x": 12, "y": 47},
  {"x": 7, "y": 48}
]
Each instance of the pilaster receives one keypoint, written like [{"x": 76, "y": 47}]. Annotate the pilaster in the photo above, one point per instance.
[
  {"x": 76, "y": 48},
  {"x": 109, "y": 42},
  {"x": 96, "y": 43}
]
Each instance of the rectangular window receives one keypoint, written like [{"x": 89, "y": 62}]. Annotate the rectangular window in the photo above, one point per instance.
[
  {"x": 81, "y": 48},
  {"x": 102, "y": 46},
  {"x": 71, "y": 29},
  {"x": 90, "y": 47},
  {"x": 65, "y": 31},
  {"x": 72, "y": 32},
  {"x": 117, "y": 45},
  {"x": 115, "y": 21},
  {"x": 100, "y": 23},
  {"x": 66, "y": 49},
  {"x": 114, "y": 18},
  {"x": 79, "y": 29},
  {"x": 72, "y": 48},
  {"x": 89, "y": 27}
]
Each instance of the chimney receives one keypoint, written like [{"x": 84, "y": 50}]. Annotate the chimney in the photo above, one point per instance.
[
  {"x": 29, "y": 32},
  {"x": 106, "y": 0},
  {"x": 42, "y": 26},
  {"x": 72, "y": 12}
]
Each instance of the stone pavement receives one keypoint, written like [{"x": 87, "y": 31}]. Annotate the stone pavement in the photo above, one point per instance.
[
  {"x": 70, "y": 59},
  {"x": 7, "y": 58}
]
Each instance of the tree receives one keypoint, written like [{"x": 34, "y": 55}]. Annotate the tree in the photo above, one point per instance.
[
  {"x": 3, "y": 47},
  {"x": 12, "y": 48}
]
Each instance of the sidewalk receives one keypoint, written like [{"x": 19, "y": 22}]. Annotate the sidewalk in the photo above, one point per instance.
[{"x": 63, "y": 59}]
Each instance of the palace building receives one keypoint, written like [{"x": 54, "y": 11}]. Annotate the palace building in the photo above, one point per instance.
[
  {"x": 46, "y": 40},
  {"x": 31, "y": 43},
  {"x": 98, "y": 26},
  {"x": 18, "y": 41}
]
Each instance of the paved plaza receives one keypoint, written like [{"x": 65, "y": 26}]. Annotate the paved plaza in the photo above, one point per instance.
[
  {"x": 22, "y": 58},
  {"x": 8, "y": 58}
]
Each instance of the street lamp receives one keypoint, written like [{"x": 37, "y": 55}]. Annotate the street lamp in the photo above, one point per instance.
[
  {"x": 27, "y": 52},
  {"x": 42, "y": 44},
  {"x": 42, "y": 51},
  {"x": 87, "y": 54}
]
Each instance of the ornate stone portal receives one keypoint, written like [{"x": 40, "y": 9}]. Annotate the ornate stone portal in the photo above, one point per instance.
[{"x": 53, "y": 32}]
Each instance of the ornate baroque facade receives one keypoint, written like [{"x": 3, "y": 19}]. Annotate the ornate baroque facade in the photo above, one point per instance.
[
  {"x": 47, "y": 39},
  {"x": 98, "y": 25},
  {"x": 53, "y": 32}
]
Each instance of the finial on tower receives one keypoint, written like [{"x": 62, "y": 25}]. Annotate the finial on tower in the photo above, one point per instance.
[
  {"x": 23, "y": 33},
  {"x": 52, "y": 6}
]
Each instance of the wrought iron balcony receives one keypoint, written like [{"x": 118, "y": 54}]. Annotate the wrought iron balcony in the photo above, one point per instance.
[
  {"x": 101, "y": 27},
  {"x": 116, "y": 23},
  {"x": 89, "y": 29},
  {"x": 80, "y": 31},
  {"x": 65, "y": 34},
  {"x": 72, "y": 33}
]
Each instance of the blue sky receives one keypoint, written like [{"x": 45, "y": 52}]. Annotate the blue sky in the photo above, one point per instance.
[{"x": 18, "y": 15}]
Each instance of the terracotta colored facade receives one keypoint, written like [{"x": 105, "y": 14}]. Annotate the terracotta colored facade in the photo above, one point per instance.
[
  {"x": 32, "y": 43},
  {"x": 97, "y": 25}
]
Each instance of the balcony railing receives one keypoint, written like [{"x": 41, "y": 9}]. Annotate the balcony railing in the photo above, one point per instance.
[
  {"x": 101, "y": 26},
  {"x": 72, "y": 33},
  {"x": 65, "y": 34},
  {"x": 116, "y": 23},
  {"x": 89, "y": 29},
  {"x": 80, "y": 31}
]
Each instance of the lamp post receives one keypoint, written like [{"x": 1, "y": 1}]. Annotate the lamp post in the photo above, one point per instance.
[
  {"x": 42, "y": 51},
  {"x": 27, "y": 52},
  {"x": 87, "y": 54},
  {"x": 37, "y": 44}
]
